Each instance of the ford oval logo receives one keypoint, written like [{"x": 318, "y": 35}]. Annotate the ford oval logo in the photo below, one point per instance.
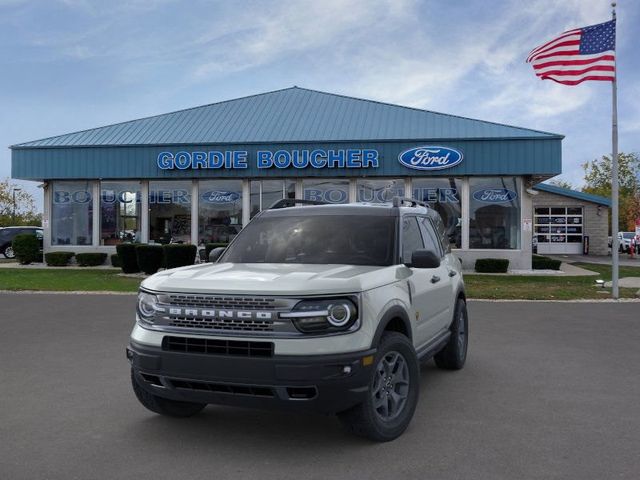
[
  {"x": 430, "y": 157},
  {"x": 219, "y": 197},
  {"x": 495, "y": 195}
]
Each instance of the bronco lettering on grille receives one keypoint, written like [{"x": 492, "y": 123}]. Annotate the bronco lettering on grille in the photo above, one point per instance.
[{"x": 211, "y": 313}]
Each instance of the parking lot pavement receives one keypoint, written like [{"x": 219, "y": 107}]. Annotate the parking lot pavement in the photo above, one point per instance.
[{"x": 550, "y": 390}]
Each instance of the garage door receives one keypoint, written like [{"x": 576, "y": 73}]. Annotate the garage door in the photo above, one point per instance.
[{"x": 558, "y": 229}]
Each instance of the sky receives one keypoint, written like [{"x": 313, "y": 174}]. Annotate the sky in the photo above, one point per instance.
[{"x": 68, "y": 65}]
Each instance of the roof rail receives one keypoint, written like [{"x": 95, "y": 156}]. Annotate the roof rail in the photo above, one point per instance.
[
  {"x": 400, "y": 201},
  {"x": 292, "y": 202}
]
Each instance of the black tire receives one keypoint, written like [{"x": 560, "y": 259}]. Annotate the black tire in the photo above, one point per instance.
[
  {"x": 365, "y": 420},
  {"x": 8, "y": 252},
  {"x": 454, "y": 354},
  {"x": 164, "y": 406}
]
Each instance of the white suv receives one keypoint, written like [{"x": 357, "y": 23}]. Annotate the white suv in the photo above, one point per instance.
[{"x": 325, "y": 308}]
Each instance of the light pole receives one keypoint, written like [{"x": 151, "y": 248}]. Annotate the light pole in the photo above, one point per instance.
[{"x": 14, "y": 203}]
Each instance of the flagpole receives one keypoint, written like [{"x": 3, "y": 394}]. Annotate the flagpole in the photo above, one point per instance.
[{"x": 614, "y": 176}]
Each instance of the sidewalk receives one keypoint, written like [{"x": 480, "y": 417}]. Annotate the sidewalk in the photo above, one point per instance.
[
  {"x": 625, "y": 259},
  {"x": 36, "y": 266},
  {"x": 566, "y": 269}
]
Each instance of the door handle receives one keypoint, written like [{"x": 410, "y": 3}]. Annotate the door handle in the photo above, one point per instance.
[
  {"x": 452, "y": 273},
  {"x": 435, "y": 279}
]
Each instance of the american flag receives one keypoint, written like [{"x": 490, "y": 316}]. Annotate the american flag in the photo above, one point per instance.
[{"x": 577, "y": 55}]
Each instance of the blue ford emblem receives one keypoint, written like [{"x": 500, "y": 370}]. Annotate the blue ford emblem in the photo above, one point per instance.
[
  {"x": 430, "y": 157},
  {"x": 219, "y": 197},
  {"x": 495, "y": 195}
]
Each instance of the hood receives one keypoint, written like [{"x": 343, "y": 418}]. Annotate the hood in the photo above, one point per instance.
[{"x": 272, "y": 278}]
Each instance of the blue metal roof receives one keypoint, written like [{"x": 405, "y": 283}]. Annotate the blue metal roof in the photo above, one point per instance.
[
  {"x": 566, "y": 192},
  {"x": 292, "y": 115}
]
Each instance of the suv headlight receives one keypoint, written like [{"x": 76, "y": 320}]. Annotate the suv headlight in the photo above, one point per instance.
[
  {"x": 324, "y": 315},
  {"x": 147, "y": 306}
]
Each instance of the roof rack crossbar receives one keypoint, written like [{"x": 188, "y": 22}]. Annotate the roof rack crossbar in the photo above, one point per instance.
[
  {"x": 292, "y": 202},
  {"x": 400, "y": 201}
]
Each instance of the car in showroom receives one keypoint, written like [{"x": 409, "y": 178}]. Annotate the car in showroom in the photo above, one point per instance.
[{"x": 312, "y": 307}]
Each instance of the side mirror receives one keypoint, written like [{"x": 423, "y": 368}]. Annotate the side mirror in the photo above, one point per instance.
[
  {"x": 214, "y": 255},
  {"x": 424, "y": 259}
]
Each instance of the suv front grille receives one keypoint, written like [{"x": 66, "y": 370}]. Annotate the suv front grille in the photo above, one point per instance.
[
  {"x": 225, "y": 302},
  {"x": 236, "y": 315},
  {"x": 218, "y": 347},
  {"x": 252, "y": 390},
  {"x": 222, "y": 324}
]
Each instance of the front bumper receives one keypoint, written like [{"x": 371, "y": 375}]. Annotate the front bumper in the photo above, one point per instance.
[{"x": 318, "y": 383}]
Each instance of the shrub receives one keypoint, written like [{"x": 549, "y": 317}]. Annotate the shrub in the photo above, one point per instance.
[
  {"x": 179, "y": 255},
  {"x": 128, "y": 257},
  {"x": 115, "y": 261},
  {"x": 492, "y": 265},
  {"x": 149, "y": 257},
  {"x": 27, "y": 248},
  {"x": 539, "y": 262},
  {"x": 90, "y": 259},
  {"x": 58, "y": 259},
  {"x": 210, "y": 246}
]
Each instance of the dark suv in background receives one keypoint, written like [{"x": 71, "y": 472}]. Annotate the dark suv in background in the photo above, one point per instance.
[{"x": 7, "y": 234}]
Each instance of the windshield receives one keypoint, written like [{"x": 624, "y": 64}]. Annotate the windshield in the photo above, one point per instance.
[
  {"x": 628, "y": 235},
  {"x": 341, "y": 239}
]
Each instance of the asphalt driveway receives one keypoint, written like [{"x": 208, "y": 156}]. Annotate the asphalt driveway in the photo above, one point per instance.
[{"x": 551, "y": 390}]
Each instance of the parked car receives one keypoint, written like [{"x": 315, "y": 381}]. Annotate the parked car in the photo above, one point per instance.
[
  {"x": 624, "y": 240},
  {"x": 325, "y": 308},
  {"x": 7, "y": 234}
]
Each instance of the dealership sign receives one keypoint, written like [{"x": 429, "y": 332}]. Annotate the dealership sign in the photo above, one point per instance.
[
  {"x": 430, "y": 157},
  {"x": 266, "y": 159},
  {"x": 495, "y": 195},
  {"x": 219, "y": 197}
]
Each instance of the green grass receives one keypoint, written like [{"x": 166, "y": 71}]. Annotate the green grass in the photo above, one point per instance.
[
  {"x": 533, "y": 287},
  {"x": 66, "y": 280},
  {"x": 547, "y": 287}
]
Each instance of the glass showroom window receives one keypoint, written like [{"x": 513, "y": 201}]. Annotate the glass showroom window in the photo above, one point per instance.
[
  {"x": 266, "y": 192},
  {"x": 219, "y": 210},
  {"x": 170, "y": 212},
  {"x": 444, "y": 195},
  {"x": 494, "y": 213},
  {"x": 119, "y": 212},
  {"x": 328, "y": 191},
  {"x": 379, "y": 191},
  {"x": 72, "y": 213}
]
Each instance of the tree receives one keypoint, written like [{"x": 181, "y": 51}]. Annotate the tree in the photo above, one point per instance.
[
  {"x": 25, "y": 206},
  {"x": 597, "y": 177}
]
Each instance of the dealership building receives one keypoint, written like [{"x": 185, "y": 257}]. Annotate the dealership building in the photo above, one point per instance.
[{"x": 198, "y": 175}]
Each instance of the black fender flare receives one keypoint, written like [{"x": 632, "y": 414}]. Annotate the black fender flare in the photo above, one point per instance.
[{"x": 394, "y": 312}]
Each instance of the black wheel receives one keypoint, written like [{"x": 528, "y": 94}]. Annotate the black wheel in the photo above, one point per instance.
[
  {"x": 164, "y": 406},
  {"x": 454, "y": 354},
  {"x": 8, "y": 252},
  {"x": 392, "y": 395}
]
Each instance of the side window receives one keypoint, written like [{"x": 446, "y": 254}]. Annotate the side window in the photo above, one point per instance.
[
  {"x": 411, "y": 238},
  {"x": 431, "y": 241}
]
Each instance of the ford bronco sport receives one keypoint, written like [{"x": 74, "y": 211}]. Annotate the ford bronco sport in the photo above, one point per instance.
[{"x": 325, "y": 308}]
